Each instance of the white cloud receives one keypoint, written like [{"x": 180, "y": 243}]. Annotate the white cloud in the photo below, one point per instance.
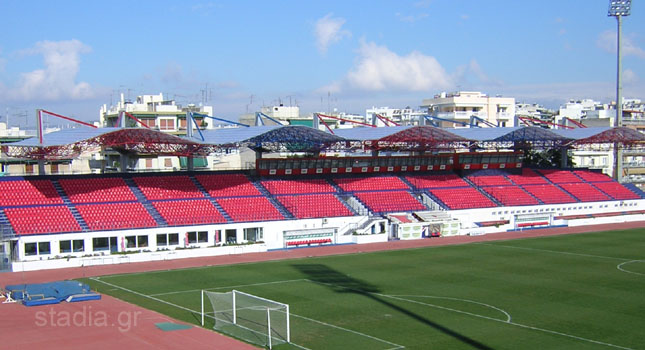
[
  {"x": 328, "y": 30},
  {"x": 629, "y": 76},
  {"x": 411, "y": 18},
  {"x": 379, "y": 69},
  {"x": 607, "y": 41},
  {"x": 57, "y": 80},
  {"x": 422, "y": 3},
  {"x": 472, "y": 74}
]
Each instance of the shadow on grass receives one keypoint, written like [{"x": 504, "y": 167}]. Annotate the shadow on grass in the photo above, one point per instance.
[{"x": 341, "y": 283}]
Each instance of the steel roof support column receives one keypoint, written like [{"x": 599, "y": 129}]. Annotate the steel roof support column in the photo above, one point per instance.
[
  {"x": 123, "y": 159},
  {"x": 39, "y": 130},
  {"x": 564, "y": 157},
  {"x": 190, "y": 163}
]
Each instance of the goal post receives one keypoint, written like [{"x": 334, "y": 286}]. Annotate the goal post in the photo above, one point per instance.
[{"x": 249, "y": 317}]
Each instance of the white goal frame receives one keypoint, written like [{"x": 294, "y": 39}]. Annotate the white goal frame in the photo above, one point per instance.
[{"x": 271, "y": 306}]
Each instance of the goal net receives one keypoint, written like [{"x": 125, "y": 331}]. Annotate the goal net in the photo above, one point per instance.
[{"x": 254, "y": 319}]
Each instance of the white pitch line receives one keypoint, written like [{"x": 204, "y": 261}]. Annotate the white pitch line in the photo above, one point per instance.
[
  {"x": 553, "y": 251},
  {"x": 397, "y": 346},
  {"x": 144, "y": 295},
  {"x": 513, "y": 323},
  {"x": 619, "y": 267},
  {"x": 487, "y": 318},
  {"x": 228, "y": 287},
  {"x": 508, "y": 316}
]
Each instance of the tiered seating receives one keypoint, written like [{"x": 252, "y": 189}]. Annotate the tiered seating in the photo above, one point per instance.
[
  {"x": 585, "y": 192},
  {"x": 314, "y": 206},
  {"x": 559, "y": 176},
  {"x": 591, "y": 176},
  {"x": 616, "y": 190},
  {"x": 528, "y": 177},
  {"x": 111, "y": 216},
  {"x": 227, "y": 185},
  {"x": 510, "y": 195},
  {"x": 28, "y": 192},
  {"x": 549, "y": 194},
  {"x": 395, "y": 201},
  {"x": 250, "y": 209},
  {"x": 167, "y": 187},
  {"x": 109, "y": 189},
  {"x": 38, "y": 220},
  {"x": 436, "y": 181},
  {"x": 298, "y": 186},
  {"x": 352, "y": 184},
  {"x": 489, "y": 180},
  {"x": 464, "y": 198},
  {"x": 189, "y": 212}
]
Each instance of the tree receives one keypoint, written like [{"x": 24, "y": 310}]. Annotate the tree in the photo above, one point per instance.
[{"x": 545, "y": 158}]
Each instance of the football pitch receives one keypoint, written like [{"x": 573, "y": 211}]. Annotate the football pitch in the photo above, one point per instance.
[{"x": 579, "y": 291}]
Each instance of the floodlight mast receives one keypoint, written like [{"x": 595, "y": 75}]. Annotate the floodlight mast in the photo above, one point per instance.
[{"x": 619, "y": 9}]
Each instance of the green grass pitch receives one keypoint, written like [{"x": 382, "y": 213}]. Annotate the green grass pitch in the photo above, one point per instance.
[{"x": 583, "y": 291}]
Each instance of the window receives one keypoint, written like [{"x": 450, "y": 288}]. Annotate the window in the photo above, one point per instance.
[
  {"x": 162, "y": 239},
  {"x": 142, "y": 241},
  {"x": 167, "y": 162},
  {"x": 53, "y": 168},
  {"x": 198, "y": 237},
  {"x": 44, "y": 248},
  {"x": 131, "y": 241},
  {"x": 173, "y": 239},
  {"x": 65, "y": 246},
  {"x": 78, "y": 245},
  {"x": 31, "y": 249},
  {"x": 100, "y": 243},
  {"x": 136, "y": 241},
  {"x": 148, "y": 163},
  {"x": 167, "y": 124},
  {"x": 29, "y": 168},
  {"x": 230, "y": 236},
  {"x": 253, "y": 234},
  {"x": 149, "y": 122}
]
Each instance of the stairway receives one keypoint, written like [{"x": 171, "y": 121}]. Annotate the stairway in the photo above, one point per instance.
[
  {"x": 635, "y": 189},
  {"x": 276, "y": 203},
  {"x": 6, "y": 230},
  {"x": 211, "y": 199},
  {"x": 141, "y": 198},
  {"x": 75, "y": 213},
  {"x": 479, "y": 189}
]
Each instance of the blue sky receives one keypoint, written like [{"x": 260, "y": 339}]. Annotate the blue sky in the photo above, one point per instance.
[{"x": 73, "y": 56}]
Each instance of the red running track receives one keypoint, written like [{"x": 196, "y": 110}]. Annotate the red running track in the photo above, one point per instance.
[{"x": 110, "y": 323}]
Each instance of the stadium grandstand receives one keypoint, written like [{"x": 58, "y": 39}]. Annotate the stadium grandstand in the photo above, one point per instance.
[{"x": 307, "y": 188}]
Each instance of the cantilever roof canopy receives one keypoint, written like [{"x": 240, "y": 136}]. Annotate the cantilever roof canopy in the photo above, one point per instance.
[
  {"x": 538, "y": 137},
  {"x": 599, "y": 135},
  {"x": 294, "y": 139},
  {"x": 416, "y": 138},
  {"x": 419, "y": 138},
  {"x": 232, "y": 136},
  {"x": 69, "y": 143}
]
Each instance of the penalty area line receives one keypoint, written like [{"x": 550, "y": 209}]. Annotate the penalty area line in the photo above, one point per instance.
[{"x": 228, "y": 287}]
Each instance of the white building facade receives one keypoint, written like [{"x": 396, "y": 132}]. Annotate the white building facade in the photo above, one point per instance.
[{"x": 459, "y": 107}]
